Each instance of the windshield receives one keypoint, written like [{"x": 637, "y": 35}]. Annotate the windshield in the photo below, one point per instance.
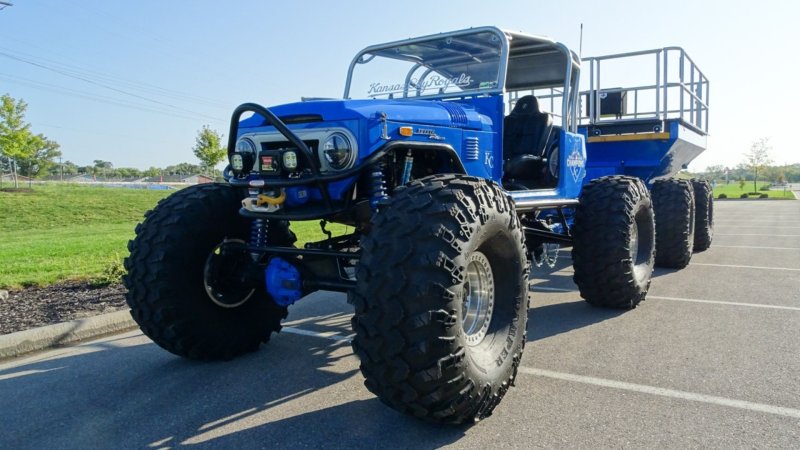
[{"x": 439, "y": 66}]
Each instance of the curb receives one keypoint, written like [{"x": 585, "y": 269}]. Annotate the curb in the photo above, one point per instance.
[{"x": 27, "y": 341}]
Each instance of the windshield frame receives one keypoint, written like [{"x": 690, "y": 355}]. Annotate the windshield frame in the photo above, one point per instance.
[{"x": 502, "y": 63}]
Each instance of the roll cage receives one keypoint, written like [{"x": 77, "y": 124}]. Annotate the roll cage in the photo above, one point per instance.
[{"x": 526, "y": 63}]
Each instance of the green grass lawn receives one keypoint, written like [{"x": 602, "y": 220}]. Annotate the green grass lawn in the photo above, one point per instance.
[
  {"x": 61, "y": 231},
  {"x": 733, "y": 190}
]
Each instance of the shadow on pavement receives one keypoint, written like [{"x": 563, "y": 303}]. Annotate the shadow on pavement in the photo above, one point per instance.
[
  {"x": 557, "y": 318},
  {"x": 546, "y": 320},
  {"x": 128, "y": 393}
]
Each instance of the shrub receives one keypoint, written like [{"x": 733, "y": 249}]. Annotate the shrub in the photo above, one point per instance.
[
  {"x": 722, "y": 196},
  {"x": 763, "y": 196},
  {"x": 764, "y": 188},
  {"x": 112, "y": 274},
  {"x": 754, "y": 193},
  {"x": 743, "y": 196}
]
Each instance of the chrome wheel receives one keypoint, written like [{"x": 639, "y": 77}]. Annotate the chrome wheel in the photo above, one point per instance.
[
  {"x": 641, "y": 243},
  {"x": 478, "y": 304}
]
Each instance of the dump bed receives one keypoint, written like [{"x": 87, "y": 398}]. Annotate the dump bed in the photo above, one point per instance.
[{"x": 643, "y": 113}]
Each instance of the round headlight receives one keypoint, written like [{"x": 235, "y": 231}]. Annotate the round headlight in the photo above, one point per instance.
[
  {"x": 245, "y": 145},
  {"x": 338, "y": 151}
]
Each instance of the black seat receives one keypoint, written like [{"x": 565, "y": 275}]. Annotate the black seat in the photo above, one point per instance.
[{"x": 526, "y": 132}]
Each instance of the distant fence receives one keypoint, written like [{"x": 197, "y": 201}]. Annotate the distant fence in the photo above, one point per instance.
[{"x": 159, "y": 186}]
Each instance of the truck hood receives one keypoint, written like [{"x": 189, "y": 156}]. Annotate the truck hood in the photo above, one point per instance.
[{"x": 424, "y": 112}]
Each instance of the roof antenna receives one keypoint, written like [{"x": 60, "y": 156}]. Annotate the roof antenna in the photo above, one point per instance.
[{"x": 580, "y": 45}]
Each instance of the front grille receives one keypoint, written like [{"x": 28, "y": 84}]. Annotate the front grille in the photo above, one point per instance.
[
  {"x": 282, "y": 146},
  {"x": 286, "y": 145}
]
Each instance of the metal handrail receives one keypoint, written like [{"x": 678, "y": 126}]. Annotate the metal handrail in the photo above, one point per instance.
[{"x": 691, "y": 89}]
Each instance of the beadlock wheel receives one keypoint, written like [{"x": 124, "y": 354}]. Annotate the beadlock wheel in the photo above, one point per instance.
[
  {"x": 441, "y": 299},
  {"x": 478, "y": 304}
]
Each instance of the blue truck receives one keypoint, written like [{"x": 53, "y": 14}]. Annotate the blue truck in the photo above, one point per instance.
[{"x": 458, "y": 160}]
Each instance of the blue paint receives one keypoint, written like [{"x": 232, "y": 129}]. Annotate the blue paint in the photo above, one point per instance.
[
  {"x": 646, "y": 159},
  {"x": 450, "y": 122},
  {"x": 572, "y": 171},
  {"x": 284, "y": 282},
  {"x": 297, "y": 196}
]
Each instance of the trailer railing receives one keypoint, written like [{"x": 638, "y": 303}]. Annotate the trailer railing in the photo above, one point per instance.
[{"x": 679, "y": 90}]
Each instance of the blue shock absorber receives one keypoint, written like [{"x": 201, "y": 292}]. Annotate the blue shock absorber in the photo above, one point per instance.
[
  {"x": 259, "y": 232},
  {"x": 409, "y": 163},
  {"x": 378, "y": 185}
]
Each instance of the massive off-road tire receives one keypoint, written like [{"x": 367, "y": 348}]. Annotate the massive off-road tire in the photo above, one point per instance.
[
  {"x": 441, "y": 300},
  {"x": 704, "y": 216},
  {"x": 673, "y": 205},
  {"x": 165, "y": 280},
  {"x": 614, "y": 242}
]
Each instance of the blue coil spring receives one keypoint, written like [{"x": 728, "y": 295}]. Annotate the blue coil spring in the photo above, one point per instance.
[
  {"x": 378, "y": 185},
  {"x": 259, "y": 233}
]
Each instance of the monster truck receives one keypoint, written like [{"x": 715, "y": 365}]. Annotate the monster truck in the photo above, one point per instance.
[{"x": 458, "y": 159}]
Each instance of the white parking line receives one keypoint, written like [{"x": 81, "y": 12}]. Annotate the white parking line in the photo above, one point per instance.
[
  {"x": 644, "y": 389},
  {"x": 755, "y": 234},
  {"x": 771, "y": 227},
  {"x": 662, "y": 392},
  {"x": 690, "y": 300},
  {"x": 751, "y": 246},
  {"x": 717, "y": 302},
  {"x": 544, "y": 288},
  {"x": 744, "y": 267},
  {"x": 319, "y": 334}
]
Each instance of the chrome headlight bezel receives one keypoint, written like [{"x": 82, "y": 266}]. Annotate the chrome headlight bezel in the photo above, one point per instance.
[{"x": 336, "y": 139}]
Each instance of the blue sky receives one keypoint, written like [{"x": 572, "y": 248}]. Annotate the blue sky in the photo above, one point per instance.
[{"x": 160, "y": 70}]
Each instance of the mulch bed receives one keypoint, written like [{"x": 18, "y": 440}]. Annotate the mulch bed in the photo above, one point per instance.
[{"x": 37, "y": 306}]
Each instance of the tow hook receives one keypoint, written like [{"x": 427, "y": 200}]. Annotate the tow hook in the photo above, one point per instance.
[{"x": 264, "y": 202}]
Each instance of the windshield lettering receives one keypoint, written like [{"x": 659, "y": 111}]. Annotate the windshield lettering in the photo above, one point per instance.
[{"x": 431, "y": 82}]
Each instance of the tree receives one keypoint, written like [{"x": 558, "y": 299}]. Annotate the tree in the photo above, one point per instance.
[
  {"x": 757, "y": 158},
  {"x": 33, "y": 154},
  {"x": 152, "y": 172},
  {"x": 14, "y": 132},
  {"x": 40, "y": 158},
  {"x": 67, "y": 168},
  {"x": 101, "y": 166},
  {"x": 714, "y": 172},
  {"x": 208, "y": 148},
  {"x": 182, "y": 169}
]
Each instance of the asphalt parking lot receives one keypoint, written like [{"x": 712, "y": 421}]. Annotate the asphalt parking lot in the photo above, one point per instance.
[{"x": 711, "y": 359}]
